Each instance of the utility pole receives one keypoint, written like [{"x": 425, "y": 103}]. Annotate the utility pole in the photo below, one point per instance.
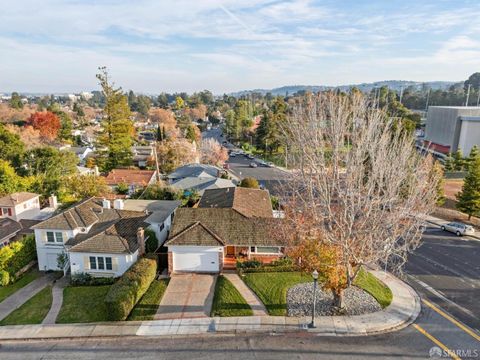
[
  {"x": 401, "y": 94},
  {"x": 428, "y": 98},
  {"x": 468, "y": 95}
]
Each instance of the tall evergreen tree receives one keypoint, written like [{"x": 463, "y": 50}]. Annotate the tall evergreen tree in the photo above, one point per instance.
[
  {"x": 449, "y": 163},
  {"x": 469, "y": 197},
  {"x": 474, "y": 153},
  {"x": 458, "y": 160},
  {"x": 116, "y": 139}
]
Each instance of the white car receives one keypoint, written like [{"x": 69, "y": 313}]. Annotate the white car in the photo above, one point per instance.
[
  {"x": 458, "y": 228},
  {"x": 253, "y": 165}
]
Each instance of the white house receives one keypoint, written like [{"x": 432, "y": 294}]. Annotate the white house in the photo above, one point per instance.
[
  {"x": 20, "y": 205},
  {"x": 97, "y": 238}
]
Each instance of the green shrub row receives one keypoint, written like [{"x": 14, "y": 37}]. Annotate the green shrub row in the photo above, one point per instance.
[
  {"x": 85, "y": 279},
  {"x": 15, "y": 256},
  {"x": 127, "y": 291}
]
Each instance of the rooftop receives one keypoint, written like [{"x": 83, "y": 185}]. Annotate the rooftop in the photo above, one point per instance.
[
  {"x": 129, "y": 177},
  {"x": 195, "y": 170},
  {"x": 9, "y": 228},
  {"x": 17, "y": 198},
  {"x": 248, "y": 202}
]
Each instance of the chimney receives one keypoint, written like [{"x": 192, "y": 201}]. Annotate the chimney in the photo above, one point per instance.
[
  {"x": 52, "y": 201},
  {"x": 106, "y": 204},
  {"x": 118, "y": 204},
  {"x": 141, "y": 241}
]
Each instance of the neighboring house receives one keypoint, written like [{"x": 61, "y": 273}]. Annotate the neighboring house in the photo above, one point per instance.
[
  {"x": 211, "y": 239},
  {"x": 199, "y": 177},
  {"x": 161, "y": 214},
  {"x": 248, "y": 202},
  {"x": 20, "y": 205},
  {"x": 135, "y": 179},
  {"x": 143, "y": 155},
  {"x": 97, "y": 239},
  {"x": 81, "y": 152},
  {"x": 9, "y": 229}
]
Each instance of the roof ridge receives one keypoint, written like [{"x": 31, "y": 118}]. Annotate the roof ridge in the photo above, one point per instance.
[{"x": 195, "y": 224}]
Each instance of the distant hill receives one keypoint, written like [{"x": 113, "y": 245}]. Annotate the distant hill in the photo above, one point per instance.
[{"x": 365, "y": 87}]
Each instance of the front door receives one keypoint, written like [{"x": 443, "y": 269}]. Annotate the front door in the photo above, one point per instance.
[{"x": 230, "y": 250}]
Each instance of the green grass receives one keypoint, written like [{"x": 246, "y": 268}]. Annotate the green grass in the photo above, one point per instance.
[
  {"x": 83, "y": 304},
  {"x": 6, "y": 291},
  {"x": 148, "y": 304},
  {"x": 33, "y": 311},
  {"x": 227, "y": 301},
  {"x": 374, "y": 287},
  {"x": 272, "y": 288}
]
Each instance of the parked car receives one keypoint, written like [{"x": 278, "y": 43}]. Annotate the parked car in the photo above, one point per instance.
[
  {"x": 458, "y": 228},
  {"x": 250, "y": 156},
  {"x": 226, "y": 166},
  {"x": 270, "y": 164},
  {"x": 233, "y": 154},
  {"x": 253, "y": 165}
]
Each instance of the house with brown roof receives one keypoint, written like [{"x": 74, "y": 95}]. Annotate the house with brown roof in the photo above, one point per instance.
[
  {"x": 227, "y": 226},
  {"x": 134, "y": 178},
  {"x": 96, "y": 238},
  {"x": 20, "y": 205}
]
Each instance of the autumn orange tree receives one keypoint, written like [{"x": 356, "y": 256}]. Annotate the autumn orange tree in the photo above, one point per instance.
[{"x": 47, "y": 123}]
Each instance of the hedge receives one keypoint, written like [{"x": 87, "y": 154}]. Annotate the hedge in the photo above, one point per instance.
[
  {"x": 17, "y": 254},
  {"x": 128, "y": 290}
]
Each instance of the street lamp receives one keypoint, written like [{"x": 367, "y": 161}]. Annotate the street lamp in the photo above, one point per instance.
[{"x": 315, "y": 278}]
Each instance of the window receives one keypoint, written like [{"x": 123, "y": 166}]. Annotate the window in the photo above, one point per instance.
[
  {"x": 53, "y": 237},
  {"x": 101, "y": 263},
  {"x": 252, "y": 248},
  {"x": 267, "y": 250},
  {"x": 162, "y": 226},
  {"x": 108, "y": 263},
  {"x": 93, "y": 263},
  {"x": 50, "y": 236}
]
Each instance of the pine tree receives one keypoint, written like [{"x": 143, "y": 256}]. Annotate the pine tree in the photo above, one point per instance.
[
  {"x": 458, "y": 160},
  {"x": 449, "y": 163},
  {"x": 437, "y": 169},
  {"x": 474, "y": 153},
  {"x": 116, "y": 138},
  {"x": 469, "y": 197}
]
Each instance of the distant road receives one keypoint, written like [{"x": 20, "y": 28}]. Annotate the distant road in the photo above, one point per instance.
[{"x": 269, "y": 178}]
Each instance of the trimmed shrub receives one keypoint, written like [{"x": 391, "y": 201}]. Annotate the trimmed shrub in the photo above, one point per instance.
[
  {"x": 82, "y": 279},
  {"x": 152, "y": 243},
  {"x": 263, "y": 269},
  {"x": 4, "y": 278},
  {"x": 18, "y": 254},
  {"x": 128, "y": 290},
  {"x": 249, "y": 264}
]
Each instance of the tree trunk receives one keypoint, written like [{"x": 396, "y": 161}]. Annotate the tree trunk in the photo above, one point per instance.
[{"x": 338, "y": 298}]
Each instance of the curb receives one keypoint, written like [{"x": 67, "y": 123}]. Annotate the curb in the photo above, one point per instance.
[{"x": 403, "y": 311}]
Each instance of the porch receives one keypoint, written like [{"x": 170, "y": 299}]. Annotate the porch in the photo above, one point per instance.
[{"x": 265, "y": 254}]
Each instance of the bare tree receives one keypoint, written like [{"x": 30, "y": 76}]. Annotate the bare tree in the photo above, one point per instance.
[
  {"x": 359, "y": 191},
  {"x": 212, "y": 152}
]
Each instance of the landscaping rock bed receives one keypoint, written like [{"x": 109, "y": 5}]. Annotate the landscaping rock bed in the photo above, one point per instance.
[{"x": 357, "y": 301}]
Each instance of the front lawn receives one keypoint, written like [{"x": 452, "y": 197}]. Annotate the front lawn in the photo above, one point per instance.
[
  {"x": 147, "y": 307},
  {"x": 272, "y": 288},
  {"x": 227, "y": 301},
  {"x": 33, "y": 311},
  {"x": 374, "y": 287},
  {"x": 83, "y": 304},
  {"x": 27, "y": 278}
]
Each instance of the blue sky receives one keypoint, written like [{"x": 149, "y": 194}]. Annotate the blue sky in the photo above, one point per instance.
[{"x": 188, "y": 45}]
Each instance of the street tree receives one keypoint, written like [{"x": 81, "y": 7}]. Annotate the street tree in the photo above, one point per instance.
[
  {"x": 212, "y": 152},
  {"x": 116, "y": 138},
  {"x": 359, "y": 191},
  {"x": 469, "y": 197}
]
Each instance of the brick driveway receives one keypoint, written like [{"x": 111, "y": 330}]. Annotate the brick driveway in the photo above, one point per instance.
[{"x": 187, "y": 296}]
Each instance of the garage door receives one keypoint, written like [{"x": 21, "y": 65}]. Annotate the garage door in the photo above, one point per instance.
[{"x": 201, "y": 261}]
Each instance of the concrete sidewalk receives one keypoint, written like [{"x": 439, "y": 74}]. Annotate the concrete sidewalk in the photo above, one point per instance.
[
  {"x": 439, "y": 222},
  {"x": 403, "y": 310},
  {"x": 20, "y": 297}
]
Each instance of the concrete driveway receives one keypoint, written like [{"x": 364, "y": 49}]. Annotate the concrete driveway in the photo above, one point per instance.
[{"x": 187, "y": 296}]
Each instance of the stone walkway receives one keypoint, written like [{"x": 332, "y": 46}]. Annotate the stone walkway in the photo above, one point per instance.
[
  {"x": 187, "y": 296},
  {"x": 249, "y": 296},
  {"x": 21, "y": 296},
  {"x": 57, "y": 300}
]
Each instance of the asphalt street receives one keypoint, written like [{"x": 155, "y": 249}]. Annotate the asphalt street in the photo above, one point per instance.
[
  {"x": 270, "y": 178},
  {"x": 445, "y": 269}
]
